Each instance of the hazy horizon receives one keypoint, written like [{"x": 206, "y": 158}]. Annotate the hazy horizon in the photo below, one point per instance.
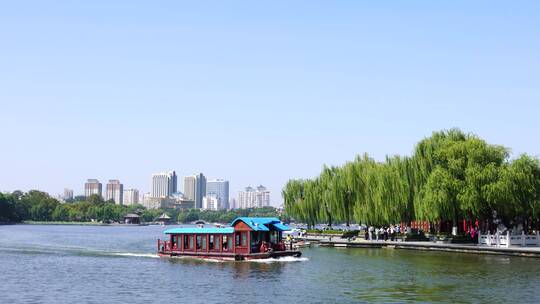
[{"x": 254, "y": 93}]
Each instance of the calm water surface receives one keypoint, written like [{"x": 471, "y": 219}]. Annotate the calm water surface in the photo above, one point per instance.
[{"x": 87, "y": 264}]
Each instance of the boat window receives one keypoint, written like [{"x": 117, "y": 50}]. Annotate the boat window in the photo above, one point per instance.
[
  {"x": 241, "y": 239},
  {"x": 191, "y": 242},
  {"x": 254, "y": 238},
  {"x": 226, "y": 242},
  {"x": 203, "y": 243},
  {"x": 198, "y": 243},
  {"x": 211, "y": 242},
  {"x": 186, "y": 242},
  {"x": 244, "y": 239},
  {"x": 273, "y": 237}
]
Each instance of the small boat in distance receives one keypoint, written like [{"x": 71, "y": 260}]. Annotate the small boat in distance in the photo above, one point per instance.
[{"x": 247, "y": 238}]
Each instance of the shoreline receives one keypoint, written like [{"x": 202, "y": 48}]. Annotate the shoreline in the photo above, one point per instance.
[
  {"x": 73, "y": 223},
  {"x": 529, "y": 252},
  {"x": 89, "y": 223}
]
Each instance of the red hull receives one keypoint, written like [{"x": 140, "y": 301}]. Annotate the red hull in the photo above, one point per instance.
[{"x": 231, "y": 256}]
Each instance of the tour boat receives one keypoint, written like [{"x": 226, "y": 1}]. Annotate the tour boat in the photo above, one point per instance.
[{"x": 245, "y": 239}]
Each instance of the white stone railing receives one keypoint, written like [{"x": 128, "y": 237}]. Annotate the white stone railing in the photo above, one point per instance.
[{"x": 508, "y": 240}]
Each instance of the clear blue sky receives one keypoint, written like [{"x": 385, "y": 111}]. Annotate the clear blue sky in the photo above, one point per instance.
[{"x": 256, "y": 92}]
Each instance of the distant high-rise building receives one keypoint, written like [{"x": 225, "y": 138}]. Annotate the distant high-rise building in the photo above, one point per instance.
[
  {"x": 211, "y": 203},
  {"x": 262, "y": 196},
  {"x": 131, "y": 196},
  {"x": 254, "y": 198},
  {"x": 92, "y": 186},
  {"x": 163, "y": 184},
  {"x": 115, "y": 191},
  {"x": 195, "y": 188},
  {"x": 68, "y": 194},
  {"x": 189, "y": 187},
  {"x": 219, "y": 188}
]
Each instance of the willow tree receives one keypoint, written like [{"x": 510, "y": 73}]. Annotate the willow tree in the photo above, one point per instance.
[
  {"x": 370, "y": 202},
  {"x": 463, "y": 168},
  {"x": 424, "y": 161},
  {"x": 327, "y": 185},
  {"x": 406, "y": 173},
  {"x": 347, "y": 188},
  {"x": 482, "y": 167},
  {"x": 516, "y": 194},
  {"x": 311, "y": 206},
  {"x": 450, "y": 176},
  {"x": 293, "y": 197}
]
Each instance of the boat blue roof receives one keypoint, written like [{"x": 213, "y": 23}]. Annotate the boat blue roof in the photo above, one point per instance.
[
  {"x": 190, "y": 230},
  {"x": 281, "y": 227},
  {"x": 262, "y": 223}
]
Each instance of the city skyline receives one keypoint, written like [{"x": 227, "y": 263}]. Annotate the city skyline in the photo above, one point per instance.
[{"x": 288, "y": 91}]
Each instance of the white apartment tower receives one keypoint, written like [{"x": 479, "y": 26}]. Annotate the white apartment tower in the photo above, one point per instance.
[
  {"x": 163, "y": 184},
  {"x": 131, "y": 196},
  {"x": 211, "y": 203},
  {"x": 254, "y": 198},
  {"x": 68, "y": 194}
]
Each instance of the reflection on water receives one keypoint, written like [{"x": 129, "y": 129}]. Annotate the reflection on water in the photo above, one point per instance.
[{"x": 89, "y": 264}]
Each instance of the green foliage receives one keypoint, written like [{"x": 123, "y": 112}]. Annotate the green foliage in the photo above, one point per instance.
[
  {"x": 450, "y": 176},
  {"x": 321, "y": 231},
  {"x": 224, "y": 216},
  {"x": 8, "y": 208}
]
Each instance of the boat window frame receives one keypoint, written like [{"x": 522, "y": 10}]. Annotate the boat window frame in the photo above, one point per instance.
[
  {"x": 226, "y": 242},
  {"x": 198, "y": 239},
  {"x": 211, "y": 242},
  {"x": 244, "y": 239},
  {"x": 204, "y": 242},
  {"x": 191, "y": 242},
  {"x": 240, "y": 239},
  {"x": 185, "y": 242}
]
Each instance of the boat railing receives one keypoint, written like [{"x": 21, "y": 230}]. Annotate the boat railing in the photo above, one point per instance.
[{"x": 164, "y": 246}]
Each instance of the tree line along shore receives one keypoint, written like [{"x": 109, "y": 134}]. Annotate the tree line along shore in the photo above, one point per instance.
[
  {"x": 38, "y": 207},
  {"x": 450, "y": 177}
]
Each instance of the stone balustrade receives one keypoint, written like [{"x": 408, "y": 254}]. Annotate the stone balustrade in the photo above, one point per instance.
[{"x": 508, "y": 240}]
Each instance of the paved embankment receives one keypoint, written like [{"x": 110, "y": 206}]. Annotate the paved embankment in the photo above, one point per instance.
[{"x": 430, "y": 246}]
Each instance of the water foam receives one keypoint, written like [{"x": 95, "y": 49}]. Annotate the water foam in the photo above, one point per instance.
[
  {"x": 138, "y": 255},
  {"x": 280, "y": 260}
]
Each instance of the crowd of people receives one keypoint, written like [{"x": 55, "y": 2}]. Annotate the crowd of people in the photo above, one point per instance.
[{"x": 382, "y": 233}]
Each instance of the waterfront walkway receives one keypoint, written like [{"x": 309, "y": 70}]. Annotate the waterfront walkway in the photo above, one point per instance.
[{"x": 426, "y": 246}]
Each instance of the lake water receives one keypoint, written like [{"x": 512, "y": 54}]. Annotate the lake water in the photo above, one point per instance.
[{"x": 106, "y": 264}]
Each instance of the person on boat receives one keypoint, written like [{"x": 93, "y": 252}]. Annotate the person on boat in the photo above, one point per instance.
[{"x": 289, "y": 240}]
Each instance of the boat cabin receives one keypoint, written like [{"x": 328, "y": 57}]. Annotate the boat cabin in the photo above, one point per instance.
[{"x": 245, "y": 238}]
